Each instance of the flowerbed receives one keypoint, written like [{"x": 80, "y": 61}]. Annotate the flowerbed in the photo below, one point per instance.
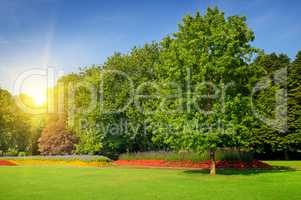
[
  {"x": 83, "y": 158},
  {"x": 195, "y": 165},
  {"x": 7, "y": 163},
  {"x": 73, "y": 160},
  {"x": 65, "y": 163}
]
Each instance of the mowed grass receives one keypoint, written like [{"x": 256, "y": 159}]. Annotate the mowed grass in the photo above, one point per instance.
[
  {"x": 291, "y": 164},
  {"x": 57, "y": 182}
]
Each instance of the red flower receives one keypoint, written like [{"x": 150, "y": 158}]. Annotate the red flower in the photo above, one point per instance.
[
  {"x": 6, "y": 163},
  {"x": 190, "y": 164}
]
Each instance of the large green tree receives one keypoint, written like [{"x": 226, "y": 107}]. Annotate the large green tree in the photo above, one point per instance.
[{"x": 207, "y": 60}]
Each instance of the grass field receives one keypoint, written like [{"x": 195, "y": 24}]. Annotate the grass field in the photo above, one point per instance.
[
  {"x": 291, "y": 164},
  {"x": 55, "y": 182}
]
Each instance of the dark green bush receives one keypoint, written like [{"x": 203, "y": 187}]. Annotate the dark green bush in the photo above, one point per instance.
[
  {"x": 165, "y": 155},
  {"x": 11, "y": 152},
  {"x": 22, "y": 154},
  {"x": 234, "y": 156}
]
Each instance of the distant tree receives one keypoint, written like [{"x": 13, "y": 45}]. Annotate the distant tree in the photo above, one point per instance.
[
  {"x": 94, "y": 127},
  {"x": 36, "y": 123},
  {"x": 139, "y": 67},
  {"x": 5, "y": 120},
  {"x": 57, "y": 140},
  {"x": 14, "y": 125},
  {"x": 267, "y": 139},
  {"x": 294, "y": 104}
]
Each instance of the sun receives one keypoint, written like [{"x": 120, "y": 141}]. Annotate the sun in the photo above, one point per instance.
[
  {"x": 39, "y": 99},
  {"x": 36, "y": 88}
]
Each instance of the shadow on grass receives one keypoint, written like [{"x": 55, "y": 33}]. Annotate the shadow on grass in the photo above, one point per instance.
[{"x": 242, "y": 171}]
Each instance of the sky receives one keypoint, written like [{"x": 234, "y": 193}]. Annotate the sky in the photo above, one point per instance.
[{"x": 68, "y": 34}]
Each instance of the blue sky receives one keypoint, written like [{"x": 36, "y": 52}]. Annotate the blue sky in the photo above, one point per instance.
[{"x": 68, "y": 34}]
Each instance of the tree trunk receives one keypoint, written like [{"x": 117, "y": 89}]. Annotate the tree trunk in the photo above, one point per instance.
[{"x": 212, "y": 166}]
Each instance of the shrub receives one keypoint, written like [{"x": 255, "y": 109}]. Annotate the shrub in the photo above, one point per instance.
[
  {"x": 235, "y": 156},
  {"x": 22, "y": 154},
  {"x": 89, "y": 143},
  {"x": 11, "y": 152},
  {"x": 57, "y": 140},
  {"x": 165, "y": 155}
]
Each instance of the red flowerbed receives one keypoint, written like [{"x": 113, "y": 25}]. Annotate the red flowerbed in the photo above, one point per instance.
[
  {"x": 195, "y": 165},
  {"x": 6, "y": 163}
]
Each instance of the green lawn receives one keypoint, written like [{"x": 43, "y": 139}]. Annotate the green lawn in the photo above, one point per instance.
[
  {"x": 39, "y": 183},
  {"x": 280, "y": 163}
]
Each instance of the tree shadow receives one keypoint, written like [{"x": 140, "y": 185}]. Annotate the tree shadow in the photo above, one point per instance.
[{"x": 246, "y": 172}]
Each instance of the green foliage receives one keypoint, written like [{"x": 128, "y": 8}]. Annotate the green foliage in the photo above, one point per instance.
[
  {"x": 22, "y": 154},
  {"x": 180, "y": 75},
  {"x": 264, "y": 137},
  {"x": 235, "y": 156},
  {"x": 165, "y": 155},
  {"x": 294, "y": 104},
  {"x": 89, "y": 143},
  {"x": 207, "y": 50},
  {"x": 100, "y": 131},
  {"x": 11, "y": 152},
  {"x": 14, "y": 124}
]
